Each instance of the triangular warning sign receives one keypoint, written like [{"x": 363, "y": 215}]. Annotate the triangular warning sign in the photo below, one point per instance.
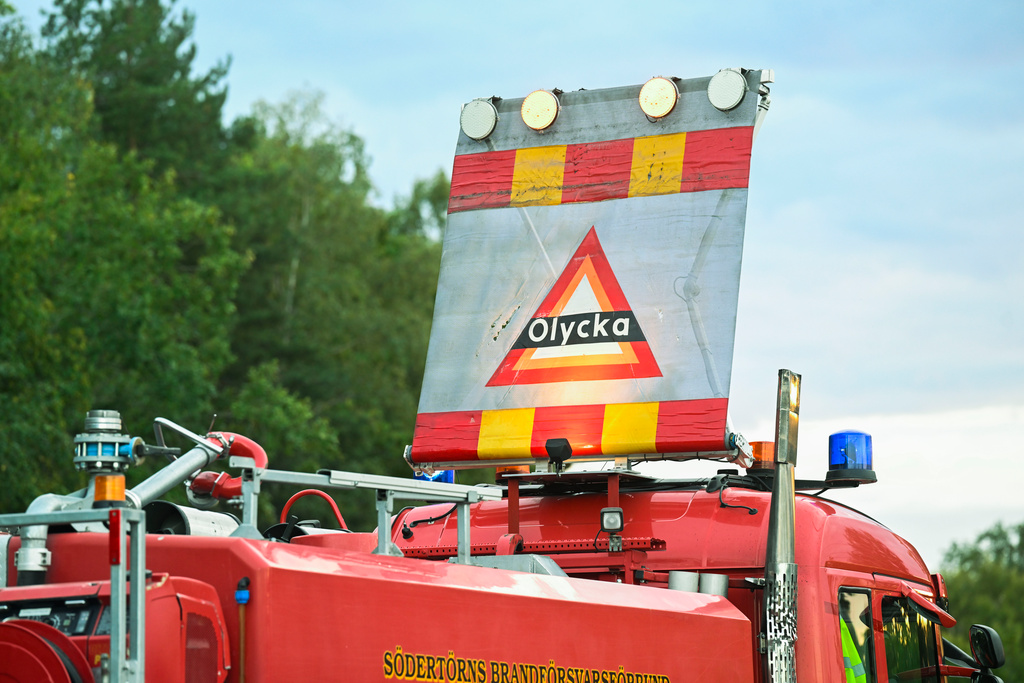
[{"x": 583, "y": 330}]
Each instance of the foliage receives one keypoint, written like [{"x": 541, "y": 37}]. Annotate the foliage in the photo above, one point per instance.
[
  {"x": 137, "y": 56},
  {"x": 157, "y": 262},
  {"x": 148, "y": 280},
  {"x": 266, "y": 408},
  {"x": 985, "y": 580},
  {"x": 41, "y": 380},
  {"x": 339, "y": 301},
  {"x": 119, "y": 289},
  {"x": 425, "y": 211}
]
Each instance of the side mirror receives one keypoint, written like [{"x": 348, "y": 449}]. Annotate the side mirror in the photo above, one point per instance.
[{"x": 987, "y": 647}]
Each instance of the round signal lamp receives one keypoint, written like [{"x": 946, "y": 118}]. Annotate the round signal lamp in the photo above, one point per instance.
[
  {"x": 726, "y": 89},
  {"x": 658, "y": 97},
  {"x": 478, "y": 119},
  {"x": 540, "y": 109},
  {"x": 764, "y": 455},
  {"x": 443, "y": 476},
  {"x": 850, "y": 458},
  {"x": 109, "y": 490},
  {"x": 506, "y": 470}
]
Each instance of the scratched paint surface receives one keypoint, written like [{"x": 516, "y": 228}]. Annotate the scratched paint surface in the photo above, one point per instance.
[{"x": 589, "y": 282}]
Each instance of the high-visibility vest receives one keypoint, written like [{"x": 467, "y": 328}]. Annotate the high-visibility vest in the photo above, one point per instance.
[{"x": 855, "y": 672}]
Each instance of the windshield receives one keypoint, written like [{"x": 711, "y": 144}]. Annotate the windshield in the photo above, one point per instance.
[{"x": 910, "y": 650}]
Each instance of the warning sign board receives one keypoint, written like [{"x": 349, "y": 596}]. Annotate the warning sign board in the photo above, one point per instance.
[
  {"x": 588, "y": 283},
  {"x": 583, "y": 330}
]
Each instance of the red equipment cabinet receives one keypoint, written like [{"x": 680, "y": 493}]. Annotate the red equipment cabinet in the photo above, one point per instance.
[
  {"x": 186, "y": 634},
  {"x": 354, "y": 612}
]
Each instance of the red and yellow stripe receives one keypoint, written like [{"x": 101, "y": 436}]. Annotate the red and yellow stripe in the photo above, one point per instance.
[
  {"x": 592, "y": 430},
  {"x": 597, "y": 171}
]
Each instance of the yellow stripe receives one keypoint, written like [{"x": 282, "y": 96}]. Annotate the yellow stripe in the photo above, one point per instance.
[
  {"x": 657, "y": 165},
  {"x": 537, "y": 178},
  {"x": 505, "y": 433},
  {"x": 629, "y": 428}
]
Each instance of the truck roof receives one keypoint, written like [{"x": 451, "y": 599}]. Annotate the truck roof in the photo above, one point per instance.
[{"x": 679, "y": 529}]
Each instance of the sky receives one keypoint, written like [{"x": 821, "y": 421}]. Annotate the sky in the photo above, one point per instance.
[{"x": 884, "y": 257}]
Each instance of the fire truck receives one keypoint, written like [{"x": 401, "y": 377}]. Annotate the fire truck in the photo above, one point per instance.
[{"x": 583, "y": 329}]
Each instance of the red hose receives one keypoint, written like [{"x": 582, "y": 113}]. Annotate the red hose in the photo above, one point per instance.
[
  {"x": 240, "y": 445},
  {"x": 316, "y": 492},
  {"x": 220, "y": 485}
]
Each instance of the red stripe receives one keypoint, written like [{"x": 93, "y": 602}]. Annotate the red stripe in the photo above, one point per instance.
[
  {"x": 683, "y": 427},
  {"x": 590, "y": 247},
  {"x": 446, "y": 437},
  {"x": 114, "y": 537},
  {"x": 717, "y": 159},
  {"x": 689, "y": 426},
  {"x": 482, "y": 181},
  {"x": 597, "y": 171},
  {"x": 581, "y": 425},
  {"x": 644, "y": 367}
]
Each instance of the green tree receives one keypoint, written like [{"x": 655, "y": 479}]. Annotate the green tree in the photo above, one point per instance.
[
  {"x": 340, "y": 292},
  {"x": 122, "y": 290},
  {"x": 138, "y": 57},
  {"x": 148, "y": 280},
  {"x": 135, "y": 293},
  {"x": 42, "y": 384},
  {"x": 425, "y": 211},
  {"x": 283, "y": 423},
  {"x": 985, "y": 580}
]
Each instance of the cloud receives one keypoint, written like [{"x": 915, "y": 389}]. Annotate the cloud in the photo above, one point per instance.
[{"x": 943, "y": 477}]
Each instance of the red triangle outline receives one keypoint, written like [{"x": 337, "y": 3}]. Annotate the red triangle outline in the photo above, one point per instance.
[{"x": 645, "y": 364}]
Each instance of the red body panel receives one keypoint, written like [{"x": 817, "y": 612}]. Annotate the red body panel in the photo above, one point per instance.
[
  {"x": 318, "y": 610},
  {"x": 691, "y": 531},
  {"x": 325, "y": 608}
]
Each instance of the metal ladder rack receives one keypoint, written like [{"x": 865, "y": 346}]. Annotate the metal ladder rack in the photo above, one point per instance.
[{"x": 388, "y": 490}]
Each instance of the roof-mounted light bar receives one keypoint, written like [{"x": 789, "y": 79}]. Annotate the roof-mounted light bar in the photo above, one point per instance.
[
  {"x": 850, "y": 458},
  {"x": 540, "y": 109},
  {"x": 478, "y": 118},
  {"x": 658, "y": 97}
]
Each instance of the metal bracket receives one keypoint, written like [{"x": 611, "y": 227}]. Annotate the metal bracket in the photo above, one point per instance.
[
  {"x": 32, "y": 559},
  {"x": 5, "y": 539},
  {"x": 385, "y": 506},
  {"x": 251, "y": 476},
  {"x": 614, "y": 543}
]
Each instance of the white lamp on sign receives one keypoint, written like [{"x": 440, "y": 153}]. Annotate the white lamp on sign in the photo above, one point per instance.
[
  {"x": 478, "y": 119},
  {"x": 540, "y": 109},
  {"x": 726, "y": 89},
  {"x": 658, "y": 97}
]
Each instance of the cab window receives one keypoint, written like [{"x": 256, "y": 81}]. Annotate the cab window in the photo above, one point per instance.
[
  {"x": 910, "y": 649},
  {"x": 855, "y": 635}
]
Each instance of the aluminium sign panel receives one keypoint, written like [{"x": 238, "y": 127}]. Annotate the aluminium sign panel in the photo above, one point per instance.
[{"x": 589, "y": 281}]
